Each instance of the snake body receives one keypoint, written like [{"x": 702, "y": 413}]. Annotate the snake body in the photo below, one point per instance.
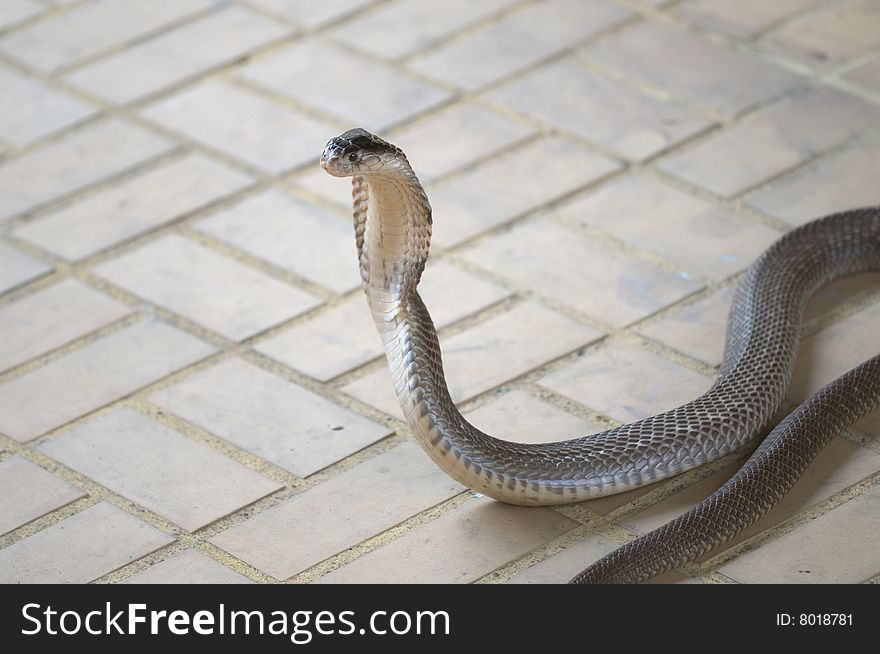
[{"x": 392, "y": 220}]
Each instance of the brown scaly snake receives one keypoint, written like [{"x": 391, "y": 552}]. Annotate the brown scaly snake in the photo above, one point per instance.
[{"x": 392, "y": 221}]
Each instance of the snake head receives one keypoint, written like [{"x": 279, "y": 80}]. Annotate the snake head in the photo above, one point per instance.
[{"x": 357, "y": 152}]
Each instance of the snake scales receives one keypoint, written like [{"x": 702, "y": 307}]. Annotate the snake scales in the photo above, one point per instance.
[{"x": 392, "y": 219}]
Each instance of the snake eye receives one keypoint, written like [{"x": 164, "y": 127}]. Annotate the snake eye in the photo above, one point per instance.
[{"x": 353, "y": 156}]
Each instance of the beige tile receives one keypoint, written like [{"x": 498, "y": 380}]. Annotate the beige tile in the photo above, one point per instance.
[
  {"x": 30, "y": 110},
  {"x": 343, "y": 511},
  {"x": 184, "y": 481},
  {"x": 28, "y": 492},
  {"x": 455, "y": 137},
  {"x": 829, "y": 36},
  {"x": 697, "y": 329},
  {"x": 244, "y": 125},
  {"x": 489, "y": 354},
  {"x": 313, "y": 14},
  {"x": 841, "y": 464},
  {"x": 599, "y": 109},
  {"x": 17, "y": 268},
  {"x": 345, "y": 337},
  {"x": 461, "y": 546},
  {"x": 521, "y": 38},
  {"x": 837, "y": 548},
  {"x": 740, "y": 18},
  {"x": 832, "y": 351},
  {"x": 397, "y": 29},
  {"x": 81, "y": 548},
  {"x": 521, "y": 418},
  {"x": 843, "y": 180},
  {"x": 561, "y": 567},
  {"x": 92, "y": 28},
  {"x": 128, "y": 208},
  {"x": 867, "y": 75},
  {"x": 626, "y": 382},
  {"x": 273, "y": 226},
  {"x": 176, "y": 55},
  {"x": 208, "y": 288},
  {"x": 17, "y": 11},
  {"x": 269, "y": 416},
  {"x": 511, "y": 185},
  {"x": 52, "y": 317},
  {"x": 655, "y": 217},
  {"x": 581, "y": 272},
  {"x": 772, "y": 140},
  {"x": 726, "y": 81},
  {"x": 188, "y": 567},
  {"x": 99, "y": 373},
  {"x": 332, "y": 79},
  {"x": 78, "y": 159}
]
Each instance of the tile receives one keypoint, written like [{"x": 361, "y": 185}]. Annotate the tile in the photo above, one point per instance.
[
  {"x": 17, "y": 11},
  {"x": 561, "y": 567},
  {"x": 655, "y": 217},
  {"x": 726, "y": 81},
  {"x": 188, "y": 567},
  {"x": 459, "y": 547},
  {"x": 88, "y": 378},
  {"x": 397, "y": 29},
  {"x": 521, "y": 418},
  {"x": 836, "y": 548},
  {"x": 310, "y": 13},
  {"x": 28, "y": 492},
  {"x": 607, "y": 112},
  {"x": 772, "y": 140},
  {"x": 269, "y": 416},
  {"x": 517, "y": 40},
  {"x": 345, "y": 337},
  {"x": 455, "y": 137},
  {"x": 626, "y": 383},
  {"x": 210, "y": 289},
  {"x": 740, "y": 18},
  {"x": 17, "y": 268},
  {"x": 581, "y": 272},
  {"x": 867, "y": 75},
  {"x": 186, "y": 482},
  {"x": 92, "y": 28},
  {"x": 842, "y": 180},
  {"x": 78, "y": 159},
  {"x": 247, "y": 126},
  {"x": 30, "y": 109},
  {"x": 81, "y": 548},
  {"x": 444, "y": 141},
  {"x": 697, "y": 329},
  {"x": 176, "y": 55},
  {"x": 343, "y": 511},
  {"x": 834, "y": 350},
  {"x": 829, "y": 36},
  {"x": 332, "y": 79},
  {"x": 491, "y": 353},
  {"x": 52, "y": 317},
  {"x": 511, "y": 185},
  {"x": 138, "y": 204},
  {"x": 272, "y": 225},
  {"x": 841, "y": 464}
]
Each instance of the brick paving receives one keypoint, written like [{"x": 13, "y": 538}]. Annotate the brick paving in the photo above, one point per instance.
[{"x": 190, "y": 386}]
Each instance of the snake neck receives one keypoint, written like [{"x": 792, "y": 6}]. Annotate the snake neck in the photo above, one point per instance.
[{"x": 392, "y": 218}]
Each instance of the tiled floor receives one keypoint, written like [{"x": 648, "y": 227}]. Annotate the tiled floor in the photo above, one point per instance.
[{"x": 190, "y": 386}]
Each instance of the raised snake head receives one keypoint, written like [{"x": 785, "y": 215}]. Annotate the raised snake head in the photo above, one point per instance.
[{"x": 357, "y": 152}]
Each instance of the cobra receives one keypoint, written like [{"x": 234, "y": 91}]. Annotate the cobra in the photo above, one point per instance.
[{"x": 392, "y": 222}]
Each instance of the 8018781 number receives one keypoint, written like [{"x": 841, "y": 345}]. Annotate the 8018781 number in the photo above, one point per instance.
[{"x": 814, "y": 619}]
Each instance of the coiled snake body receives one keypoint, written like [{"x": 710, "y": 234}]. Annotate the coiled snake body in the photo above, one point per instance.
[{"x": 392, "y": 219}]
